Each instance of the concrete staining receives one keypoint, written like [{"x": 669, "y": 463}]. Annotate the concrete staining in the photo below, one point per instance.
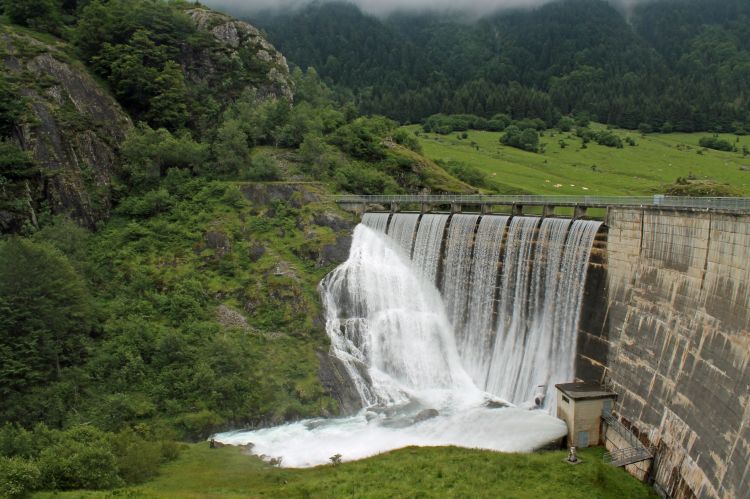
[{"x": 669, "y": 331}]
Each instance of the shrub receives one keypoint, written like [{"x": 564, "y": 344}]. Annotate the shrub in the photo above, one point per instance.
[
  {"x": 700, "y": 188},
  {"x": 262, "y": 167},
  {"x": 137, "y": 459},
  {"x": 715, "y": 143},
  {"x": 18, "y": 476},
  {"x": 527, "y": 140},
  {"x": 364, "y": 179},
  {"x": 150, "y": 204},
  {"x": 608, "y": 139},
  {"x": 407, "y": 140},
  {"x": 469, "y": 174},
  {"x": 565, "y": 124}
]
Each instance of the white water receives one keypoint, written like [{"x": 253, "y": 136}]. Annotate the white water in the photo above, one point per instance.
[
  {"x": 402, "y": 229},
  {"x": 428, "y": 244},
  {"x": 389, "y": 326},
  {"x": 476, "y": 336}
]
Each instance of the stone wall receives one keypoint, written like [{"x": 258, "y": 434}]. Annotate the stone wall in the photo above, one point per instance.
[{"x": 668, "y": 329}]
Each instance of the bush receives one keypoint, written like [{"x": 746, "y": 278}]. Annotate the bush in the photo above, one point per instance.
[
  {"x": 608, "y": 139},
  {"x": 364, "y": 179},
  {"x": 408, "y": 140},
  {"x": 566, "y": 124},
  {"x": 263, "y": 167},
  {"x": 700, "y": 188},
  {"x": 528, "y": 139},
  {"x": 150, "y": 204},
  {"x": 716, "y": 143},
  {"x": 469, "y": 174},
  {"x": 137, "y": 459},
  {"x": 81, "y": 458},
  {"x": 18, "y": 476}
]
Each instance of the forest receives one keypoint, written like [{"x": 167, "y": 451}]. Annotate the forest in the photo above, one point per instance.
[{"x": 667, "y": 65}]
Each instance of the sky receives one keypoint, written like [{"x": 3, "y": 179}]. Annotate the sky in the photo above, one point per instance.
[{"x": 385, "y": 7}]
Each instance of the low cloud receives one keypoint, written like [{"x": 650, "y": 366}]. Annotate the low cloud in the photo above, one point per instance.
[{"x": 385, "y": 7}]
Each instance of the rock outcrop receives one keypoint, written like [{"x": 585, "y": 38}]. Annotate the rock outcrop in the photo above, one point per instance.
[
  {"x": 242, "y": 50},
  {"x": 72, "y": 127}
]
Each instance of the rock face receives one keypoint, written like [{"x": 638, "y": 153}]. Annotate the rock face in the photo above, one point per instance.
[
  {"x": 671, "y": 332},
  {"x": 73, "y": 127},
  {"x": 241, "y": 49},
  {"x": 338, "y": 384}
]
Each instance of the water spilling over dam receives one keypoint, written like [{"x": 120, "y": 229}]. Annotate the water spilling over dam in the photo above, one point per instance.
[
  {"x": 512, "y": 300},
  {"x": 439, "y": 321}
]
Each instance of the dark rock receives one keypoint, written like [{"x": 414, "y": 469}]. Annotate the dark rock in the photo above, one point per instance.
[
  {"x": 219, "y": 242},
  {"x": 73, "y": 128},
  {"x": 425, "y": 415},
  {"x": 335, "y": 253},
  {"x": 256, "y": 251},
  {"x": 495, "y": 404},
  {"x": 339, "y": 385},
  {"x": 333, "y": 222}
]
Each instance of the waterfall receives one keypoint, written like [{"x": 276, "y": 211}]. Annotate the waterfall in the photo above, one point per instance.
[
  {"x": 458, "y": 251},
  {"x": 383, "y": 319},
  {"x": 428, "y": 245},
  {"x": 476, "y": 335},
  {"x": 376, "y": 221},
  {"x": 512, "y": 300},
  {"x": 447, "y": 314},
  {"x": 402, "y": 230}
]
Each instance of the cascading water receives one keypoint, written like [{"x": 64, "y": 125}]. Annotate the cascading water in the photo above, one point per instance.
[
  {"x": 376, "y": 221},
  {"x": 476, "y": 335},
  {"x": 388, "y": 325},
  {"x": 402, "y": 230},
  {"x": 428, "y": 244},
  {"x": 539, "y": 330},
  {"x": 458, "y": 265},
  {"x": 380, "y": 314}
]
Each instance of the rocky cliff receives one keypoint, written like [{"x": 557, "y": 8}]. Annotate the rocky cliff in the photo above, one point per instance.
[
  {"x": 72, "y": 127},
  {"x": 241, "y": 53}
]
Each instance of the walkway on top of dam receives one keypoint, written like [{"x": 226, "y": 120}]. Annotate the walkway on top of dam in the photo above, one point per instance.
[{"x": 427, "y": 201}]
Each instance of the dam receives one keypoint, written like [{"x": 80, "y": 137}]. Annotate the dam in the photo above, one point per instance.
[
  {"x": 664, "y": 320},
  {"x": 453, "y": 316}
]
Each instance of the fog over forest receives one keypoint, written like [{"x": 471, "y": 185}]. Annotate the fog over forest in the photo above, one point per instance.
[{"x": 385, "y": 7}]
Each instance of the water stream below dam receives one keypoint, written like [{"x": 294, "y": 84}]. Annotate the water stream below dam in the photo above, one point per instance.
[{"x": 453, "y": 330}]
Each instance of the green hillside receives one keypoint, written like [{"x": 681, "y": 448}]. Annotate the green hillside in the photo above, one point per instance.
[
  {"x": 655, "y": 160},
  {"x": 409, "y": 472}
]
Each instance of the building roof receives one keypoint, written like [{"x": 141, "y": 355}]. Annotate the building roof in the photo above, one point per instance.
[{"x": 585, "y": 391}]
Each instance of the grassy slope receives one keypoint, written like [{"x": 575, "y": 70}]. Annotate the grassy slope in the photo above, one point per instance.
[
  {"x": 409, "y": 472},
  {"x": 655, "y": 160}
]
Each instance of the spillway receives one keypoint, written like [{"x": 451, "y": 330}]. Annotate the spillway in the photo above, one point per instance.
[{"x": 457, "y": 314}]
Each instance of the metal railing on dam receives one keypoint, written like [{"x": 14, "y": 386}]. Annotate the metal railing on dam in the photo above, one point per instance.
[{"x": 656, "y": 201}]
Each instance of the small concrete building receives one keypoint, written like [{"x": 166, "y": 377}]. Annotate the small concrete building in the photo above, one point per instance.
[{"x": 581, "y": 406}]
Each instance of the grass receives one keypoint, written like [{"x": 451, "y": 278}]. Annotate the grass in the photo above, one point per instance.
[
  {"x": 201, "y": 472},
  {"x": 642, "y": 169}
]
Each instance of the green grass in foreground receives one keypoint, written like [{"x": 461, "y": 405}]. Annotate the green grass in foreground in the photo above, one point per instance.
[
  {"x": 201, "y": 472},
  {"x": 642, "y": 169}
]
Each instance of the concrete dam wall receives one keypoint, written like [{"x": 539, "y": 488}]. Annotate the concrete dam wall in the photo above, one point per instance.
[{"x": 666, "y": 324}]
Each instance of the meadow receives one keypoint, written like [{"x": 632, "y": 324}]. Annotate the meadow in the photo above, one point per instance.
[
  {"x": 565, "y": 168},
  {"x": 201, "y": 472}
]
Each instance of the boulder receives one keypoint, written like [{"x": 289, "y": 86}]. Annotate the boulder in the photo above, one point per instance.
[{"x": 425, "y": 415}]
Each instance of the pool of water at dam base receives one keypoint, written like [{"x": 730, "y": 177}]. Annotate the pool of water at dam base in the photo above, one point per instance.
[{"x": 312, "y": 442}]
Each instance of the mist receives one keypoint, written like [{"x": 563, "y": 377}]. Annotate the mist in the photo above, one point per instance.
[{"x": 472, "y": 8}]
